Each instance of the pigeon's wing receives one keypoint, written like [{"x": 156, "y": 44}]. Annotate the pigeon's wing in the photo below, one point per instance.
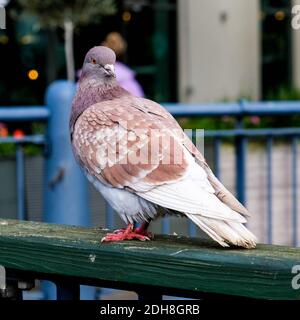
[
  {"x": 126, "y": 145},
  {"x": 220, "y": 190},
  {"x": 219, "y": 213}
]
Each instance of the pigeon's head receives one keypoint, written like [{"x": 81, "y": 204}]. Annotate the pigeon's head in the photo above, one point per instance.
[{"x": 99, "y": 64}]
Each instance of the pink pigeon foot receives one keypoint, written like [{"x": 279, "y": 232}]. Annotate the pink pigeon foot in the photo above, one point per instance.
[
  {"x": 125, "y": 234},
  {"x": 143, "y": 230}
]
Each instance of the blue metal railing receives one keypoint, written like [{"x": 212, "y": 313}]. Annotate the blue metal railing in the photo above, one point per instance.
[
  {"x": 294, "y": 190},
  {"x": 24, "y": 113},
  {"x": 7, "y": 114},
  {"x": 269, "y": 188},
  {"x": 239, "y": 110}
]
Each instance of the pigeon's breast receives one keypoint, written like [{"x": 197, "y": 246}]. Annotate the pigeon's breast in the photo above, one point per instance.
[{"x": 87, "y": 96}]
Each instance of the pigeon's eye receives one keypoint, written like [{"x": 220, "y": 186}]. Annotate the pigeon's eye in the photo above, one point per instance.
[{"x": 93, "y": 61}]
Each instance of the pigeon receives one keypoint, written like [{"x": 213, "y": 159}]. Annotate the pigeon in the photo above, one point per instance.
[{"x": 137, "y": 156}]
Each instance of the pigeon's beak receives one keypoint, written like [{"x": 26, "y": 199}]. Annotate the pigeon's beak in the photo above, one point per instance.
[{"x": 110, "y": 70}]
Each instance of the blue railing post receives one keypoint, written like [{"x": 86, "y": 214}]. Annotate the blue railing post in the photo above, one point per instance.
[
  {"x": 192, "y": 228},
  {"x": 295, "y": 190},
  {"x": 109, "y": 217},
  {"x": 66, "y": 197},
  {"x": 240, "y": 153},
  {"x": 217, "y": 157},
  {"x": 241, "y": 150},
  {"x": 270, "y": 189},
  {"x": 20, "y": 182},
  {"x": 66, "y": 193}
]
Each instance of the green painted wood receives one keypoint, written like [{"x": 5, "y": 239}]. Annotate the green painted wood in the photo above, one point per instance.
[{"x": 166, "y": 261}]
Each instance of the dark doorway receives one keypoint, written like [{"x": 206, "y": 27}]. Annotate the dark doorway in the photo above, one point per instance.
[{"x": 276, "y": 46}]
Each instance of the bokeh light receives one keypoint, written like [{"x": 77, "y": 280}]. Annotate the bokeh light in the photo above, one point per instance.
[
  {"x": 126, "y": 16},
  {"x": 33, "y": 74},
  {"x": 279, "y": 15}
]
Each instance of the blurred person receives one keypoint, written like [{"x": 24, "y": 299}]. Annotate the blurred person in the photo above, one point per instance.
[{"x": 125, "y": 76}]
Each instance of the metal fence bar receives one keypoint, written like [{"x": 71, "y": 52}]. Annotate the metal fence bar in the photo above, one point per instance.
[
  {"x": 165, "y": 225},
  {"x": 109, "y": 217},
  {"x": 241, "y": 151},
  {"x": 217, "y": 157},
  {"x": 259, "y": 133},
  {"x": 289, "y": 132},
  {"x": 243, "y": 108},
  {"x": 192, "y": 228},
  {"x": 269, "y": 189},
  {"x": 24, "y": 113},
  {"x": 240, "y": 161},
  {"x": 294, "y": 190},
  {"x": 35, "y": 139},
  {"x": 35, "y": 113},
  {"x": 20, "y": 182}
]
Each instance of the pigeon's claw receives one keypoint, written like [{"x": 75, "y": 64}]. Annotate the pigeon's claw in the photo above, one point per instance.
[
  {"x": 142, "y": 230},
  {"x": 124, "y": 234},
  {"x": 118, "y": 231},
  {"x": 111, "y": 237}
]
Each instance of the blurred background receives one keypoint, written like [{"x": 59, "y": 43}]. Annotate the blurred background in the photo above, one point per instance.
[
  {"x": 184, "y": 52},
  {"x": 180, "y": 50}
]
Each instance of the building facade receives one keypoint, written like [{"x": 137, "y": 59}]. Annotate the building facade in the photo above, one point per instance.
[{"x": 231, "y": 49}]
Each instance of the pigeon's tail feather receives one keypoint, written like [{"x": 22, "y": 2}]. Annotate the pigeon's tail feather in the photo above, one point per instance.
[{"x": 225, "y": 232}]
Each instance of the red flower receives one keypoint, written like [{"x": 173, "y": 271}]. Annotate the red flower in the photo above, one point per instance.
[
  {"x": 255, "y": 120},
  {"x": 18, "y": 133},
  {"x": 3, "y": 130}
]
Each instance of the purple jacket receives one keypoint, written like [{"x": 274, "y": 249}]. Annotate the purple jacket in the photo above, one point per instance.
[{"x": 126, "y": 79}]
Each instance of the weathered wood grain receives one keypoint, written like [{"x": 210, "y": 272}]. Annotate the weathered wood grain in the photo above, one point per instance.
[{"x": 166, "y": 261}]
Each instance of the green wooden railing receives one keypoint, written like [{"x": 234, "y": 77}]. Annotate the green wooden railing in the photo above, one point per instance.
[{"x": 173, "y": 265}]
